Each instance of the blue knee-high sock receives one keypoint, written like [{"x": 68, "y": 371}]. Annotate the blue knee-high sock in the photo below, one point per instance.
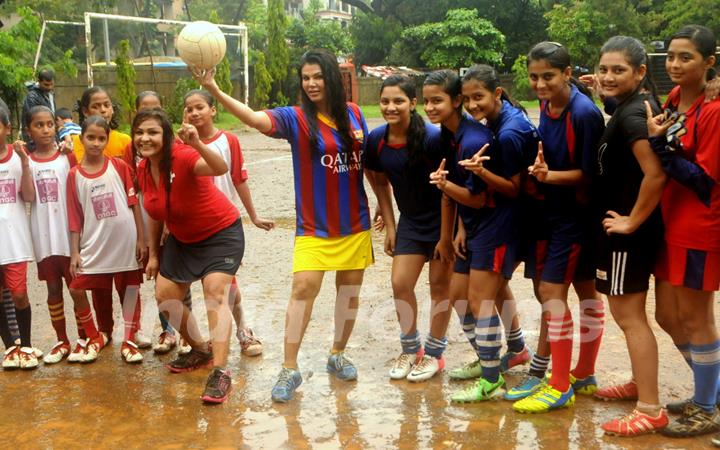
[
  {"x": 435, "y": 347},
  {"x": 706, "y": 369},
  {"x": 487, "y": 339},
  {"x": 515, "y": 340},
  {"x": 468, "y": 326},
  {"x": 165, "y": 324},
  {"x": 410, "y": 342},
  {"x": 684, "y": 350}
]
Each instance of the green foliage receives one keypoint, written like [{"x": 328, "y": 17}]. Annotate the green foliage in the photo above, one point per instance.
[
  {"x": 262, "y": 81},
  {"x": 584, "y": 25},
  {"x": 373, "y": 37},
  {"x": 277, "y": 61},
  {"x": 311, "y": 32},
  {"x": 676, "y": 13},
  {"x": 461, "y": 40},
  {"x": 176, "y": 105},
  {"x": 277, "y": 54},
  {"x": 521, "y": 81},
  {"x": 125, "y": 73},
  {"x": 17, "y": 52},
  {"x": 222, "y": 70}
]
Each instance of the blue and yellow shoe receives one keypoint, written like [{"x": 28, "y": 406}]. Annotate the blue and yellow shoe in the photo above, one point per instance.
[
  {"x": 526, "y": 387},
  {"x": 481, "y": 390},
  {"x": 584, "y": 386},
  {"x": 544, "y": 400}
]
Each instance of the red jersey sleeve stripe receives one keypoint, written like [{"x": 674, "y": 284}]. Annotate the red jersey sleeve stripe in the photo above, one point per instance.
[
  {"x": 332, "y": 180},
  {"x": 237, "y": 163},
  {"x": 123, "y": 170},
  {"x": 74, "y": 209},
  {"x": 304, "y": 195},
  {"x": 570, "y": 136},
  {"x": 273, "y": 121}
]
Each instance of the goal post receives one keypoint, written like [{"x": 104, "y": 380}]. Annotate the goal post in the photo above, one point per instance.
[{"x": 239, "y": 30}]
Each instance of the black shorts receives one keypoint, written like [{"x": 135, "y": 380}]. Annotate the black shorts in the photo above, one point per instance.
[
  {"x": 221, "y": 252},
  {"x": 407, "y": 246},
  {"x": 624, "y": 265}
]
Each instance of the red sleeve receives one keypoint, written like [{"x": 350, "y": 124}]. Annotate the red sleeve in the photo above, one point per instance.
[
  {"x": 126, "y": 176},
  {"x": 185, "y": 158},
  {"x": 129, "y": 159},
  {"x": 708, "y": 149},
  {"x": 72, "y": 159},
  {"x": 74, "y": 209},
  {"x": 237, "y": 163}
]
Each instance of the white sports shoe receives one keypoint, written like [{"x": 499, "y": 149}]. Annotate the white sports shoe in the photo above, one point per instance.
[
  {"x": 426, "y": 368},
  {"x": 141, "y": 340},
  {"x": 28, "y": 360},
  {"x": 77, "y": 354},
  {"x": 403, "y": 365}
]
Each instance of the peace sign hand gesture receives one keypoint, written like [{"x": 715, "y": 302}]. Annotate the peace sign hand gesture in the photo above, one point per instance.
[
  {"x": 475, "y": 164},
  {"x": 657, "y": 125},
  {"x": 439, "y": 177},
  {"x": 540, "y": 168}
]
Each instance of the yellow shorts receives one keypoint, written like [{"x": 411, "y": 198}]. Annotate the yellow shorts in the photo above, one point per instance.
[{"x": 329, "y": 254}]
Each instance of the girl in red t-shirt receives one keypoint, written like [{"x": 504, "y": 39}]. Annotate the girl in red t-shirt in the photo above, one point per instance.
[
  {"x": 688, "y": 270},
  {"x": 206, "y": 240}
]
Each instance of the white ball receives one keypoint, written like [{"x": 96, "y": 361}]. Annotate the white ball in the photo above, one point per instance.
[{"x": 201, "y": 44}]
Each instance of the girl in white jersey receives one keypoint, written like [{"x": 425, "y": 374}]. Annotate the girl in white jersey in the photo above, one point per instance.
[
  {"x": 106, "y": 236},
  {"x": 49, "y": 225},
  {"x": 200, "y": 111},
  {"x": 16, "y": 188}
]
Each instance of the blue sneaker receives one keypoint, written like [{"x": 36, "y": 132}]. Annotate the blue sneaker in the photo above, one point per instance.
[
  {"x": 584, "y": 386},
  {"x": 526, "y": 387},
  {"x": 342, "y": 367},
  {"x": 288, "y": 381}
]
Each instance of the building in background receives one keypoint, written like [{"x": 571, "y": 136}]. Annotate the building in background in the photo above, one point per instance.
[{"x": 331, "y": 10}]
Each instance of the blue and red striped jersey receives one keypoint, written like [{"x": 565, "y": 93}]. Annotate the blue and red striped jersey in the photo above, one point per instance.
[{"x": 330, "y": 199}]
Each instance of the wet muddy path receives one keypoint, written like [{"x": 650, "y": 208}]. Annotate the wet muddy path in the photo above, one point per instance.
[{"x": 109, "y": 404}]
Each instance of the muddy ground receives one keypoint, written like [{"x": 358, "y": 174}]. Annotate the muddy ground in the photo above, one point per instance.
[{"x": 110, "y": 404}]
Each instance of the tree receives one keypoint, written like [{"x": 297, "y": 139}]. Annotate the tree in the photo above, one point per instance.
[
  {"x": 17, "y": 51},
  {"x": 311, "y": 32},
  {"x": 461, "y": 40},
  {"x": 261, "y": 80},
  {"x": 677, "y": 13},
  {"x": 125, "y": 80},
  {"x": 277, "y": 54},
  {"x": 584, "y": 25},
  {"x": 521, "y": 80},
  {"x": 373, "y": 37}
]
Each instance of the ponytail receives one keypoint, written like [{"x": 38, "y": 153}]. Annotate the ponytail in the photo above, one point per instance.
[
  {"x": 581, "y": 87},
  {"x": 490, "y": 78}
]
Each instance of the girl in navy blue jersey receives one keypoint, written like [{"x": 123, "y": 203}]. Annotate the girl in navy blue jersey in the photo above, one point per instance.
[
  {"x": 560, "y": 251},
  {"x": 402, "y": 154},
  {"x": 485, "y": 205},
  {"x": 517, "y": 140}
]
